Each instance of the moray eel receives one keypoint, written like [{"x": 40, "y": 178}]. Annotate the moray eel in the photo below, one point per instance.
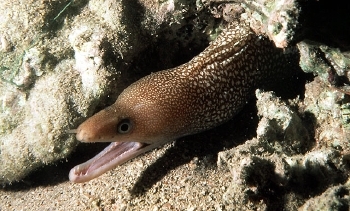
[{"x": 193, "y": 97}]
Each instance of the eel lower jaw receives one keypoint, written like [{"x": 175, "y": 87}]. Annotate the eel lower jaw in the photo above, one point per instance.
[{"x": 113, "y": 155}]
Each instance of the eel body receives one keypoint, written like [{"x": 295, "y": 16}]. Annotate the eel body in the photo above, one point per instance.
[{"x": 193, "y": 97}]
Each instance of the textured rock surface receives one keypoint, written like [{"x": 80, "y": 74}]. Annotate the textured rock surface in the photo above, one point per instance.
[
  {"x": 60, "y": 66},
  {"x": 42, "y": 93},
  {"x": 334, "y": 198},
  {"x": 282, "y": 165}
]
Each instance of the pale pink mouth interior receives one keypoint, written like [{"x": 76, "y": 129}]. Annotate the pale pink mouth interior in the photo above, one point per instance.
[{"x": 113, "y": 155}]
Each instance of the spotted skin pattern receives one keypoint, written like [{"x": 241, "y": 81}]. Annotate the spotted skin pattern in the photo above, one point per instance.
[
  {"x": 212, "y": 87},
  {"x": 196, "y": 96}
]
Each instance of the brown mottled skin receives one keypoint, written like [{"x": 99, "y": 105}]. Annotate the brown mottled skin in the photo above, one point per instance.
[{"x": 193, "y": 97}]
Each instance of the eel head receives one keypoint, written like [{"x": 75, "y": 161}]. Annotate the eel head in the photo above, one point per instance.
[{"x": 132, "y": 129}]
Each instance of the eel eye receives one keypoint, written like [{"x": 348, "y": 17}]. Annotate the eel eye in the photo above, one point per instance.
[{"x": 124, "y": 126}]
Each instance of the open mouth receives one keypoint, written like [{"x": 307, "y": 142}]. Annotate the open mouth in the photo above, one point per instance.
[{"x": 113, "y": 155}]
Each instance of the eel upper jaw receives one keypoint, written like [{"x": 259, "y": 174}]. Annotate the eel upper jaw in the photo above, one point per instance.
[{"x": 113, "y": 155}]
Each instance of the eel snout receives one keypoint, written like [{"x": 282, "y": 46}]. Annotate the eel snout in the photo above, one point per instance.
[{"x": 101, "y": 128}]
